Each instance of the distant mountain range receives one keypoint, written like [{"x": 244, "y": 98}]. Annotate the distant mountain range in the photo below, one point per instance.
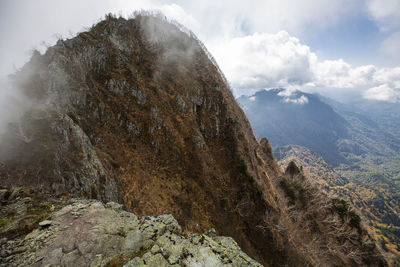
[
  {"x": 335, "y": 131},
  {"x": 351, "y": 150}
]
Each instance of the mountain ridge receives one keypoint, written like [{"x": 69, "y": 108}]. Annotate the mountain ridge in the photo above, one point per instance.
[{"x": 135, "y": 111}]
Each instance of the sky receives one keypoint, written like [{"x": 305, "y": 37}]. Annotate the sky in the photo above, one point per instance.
[{"x": 338, "y": 48}]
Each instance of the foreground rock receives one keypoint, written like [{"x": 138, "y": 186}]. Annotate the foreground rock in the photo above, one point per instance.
[{"x": 88, "y": 233}]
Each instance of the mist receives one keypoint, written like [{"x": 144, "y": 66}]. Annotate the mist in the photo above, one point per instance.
[
  {"x": 14, "y": 100},
  {"x": 13, "y": 104},
  {"x": 258, "y": 46}
]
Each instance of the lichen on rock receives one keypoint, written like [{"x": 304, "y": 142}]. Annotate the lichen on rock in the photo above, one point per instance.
[{"x": 89, "y": 233}]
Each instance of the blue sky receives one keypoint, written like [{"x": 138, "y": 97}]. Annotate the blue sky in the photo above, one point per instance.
[
  {"x": 355, "y": 39},
  {"x": 341, "y": 46}
]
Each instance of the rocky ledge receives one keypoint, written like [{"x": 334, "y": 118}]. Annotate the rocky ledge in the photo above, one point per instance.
[{"x": 90, "y": 233}]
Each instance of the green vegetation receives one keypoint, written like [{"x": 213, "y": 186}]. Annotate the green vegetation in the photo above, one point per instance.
[
  {"x": 391, "y": 233},
  {"x": 89, "y": 133},
  {"x": 344, "y": 209},
  {"x": 241, "y": 167},
  {"x": 341, "y": 206},
  {"x": 3, "y": 223},
  {"x": 376, "y": 181},
  {"x": 73, "y": 117},
  {"x": 289, "y": 189}
]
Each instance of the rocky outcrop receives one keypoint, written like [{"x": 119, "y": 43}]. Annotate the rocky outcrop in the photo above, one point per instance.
[
  {"x": 86, "y": 175},
  {"x": 90, "y": 233},
  {"x": 51, "y": 150}
]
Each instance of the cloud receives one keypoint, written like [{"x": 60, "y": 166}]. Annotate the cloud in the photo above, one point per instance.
[
  {"x": 340, "y": 74},
  {"x": 246, "y": 39},
  {"x": 385, "y": 12},
  {"x": 390, "y": 46},
  {"x": 177, "y": 13},
  {"x": 27, "y": 23},
  {"x": 230, "y": 17},
  {"x": 261, "y": 61},
  {"x": 264, "y": 60},
  {"x": 383, "y": 93},
  {"x": 13, "y": 103},
  {"x": 300, "y": 101}
]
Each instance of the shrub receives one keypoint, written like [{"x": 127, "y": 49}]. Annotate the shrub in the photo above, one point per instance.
[
  {"x": 242, "y": 166},
  {"x": 251, "y": 179},
  {"x": 292, "y": 169},
  {"x": 73, "y": 117},
  {"x": 3, "y": 223},
  {"x": 355, "y": 219},
  {"x": 289, "y": 189},
  {"x": 341, "y": 206}
]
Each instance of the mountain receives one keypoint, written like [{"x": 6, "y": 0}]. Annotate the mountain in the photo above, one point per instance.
[
  {"x": 304, "y": 119},
  {"x": 136, "y": 111},
  {"x": 360, "y": 161},
  {"x": 287, "y": 120},
  {"x": 386, "y": 115}
]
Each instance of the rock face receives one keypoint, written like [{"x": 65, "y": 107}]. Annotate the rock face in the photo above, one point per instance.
[
  {"x": 137, "y": 112},
  {"x": 89, "y": 233}
]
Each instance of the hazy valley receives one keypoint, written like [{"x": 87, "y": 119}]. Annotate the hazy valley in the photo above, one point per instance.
[{"x": 350, "y": 150}]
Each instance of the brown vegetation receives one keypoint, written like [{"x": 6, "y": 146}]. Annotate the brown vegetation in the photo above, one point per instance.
[{"x": 145, "y": 98}]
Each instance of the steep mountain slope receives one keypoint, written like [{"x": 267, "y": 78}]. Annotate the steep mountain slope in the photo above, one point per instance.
[
  {"x": 385, "y": 114},
  {"x": 367, "y": 152},
  {"x": 376, "y": 202},
  {"x": 376, "y": 121},
  {"x": 136, "y": 111}
]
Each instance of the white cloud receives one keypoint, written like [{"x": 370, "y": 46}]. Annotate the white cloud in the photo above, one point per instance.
[
  {"x": 264, "y": 60},
  {"x": 390, "y": 46},
  {"x": 383, "y": 93},
  {"x": 177, "y": 13},
  {"x": 261, "y": 61},
  {"x": 300, "y": 101},
  {"x": 340, "y": 74},
  {"x": 230, "y": 17},
  {"x": 27, "y": 23},
  {"x": 385, "y": 12},
  {"x": 251, "y": 61},
  {"x": 388, "y": 74}
]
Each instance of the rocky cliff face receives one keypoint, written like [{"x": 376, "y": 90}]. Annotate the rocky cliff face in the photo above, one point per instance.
[{"x": 136, "y": 111}]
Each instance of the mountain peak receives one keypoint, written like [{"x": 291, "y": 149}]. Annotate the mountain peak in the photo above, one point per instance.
[
  {"x": 279, "y": 115},
  {"x": 136, "y": 111}
]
